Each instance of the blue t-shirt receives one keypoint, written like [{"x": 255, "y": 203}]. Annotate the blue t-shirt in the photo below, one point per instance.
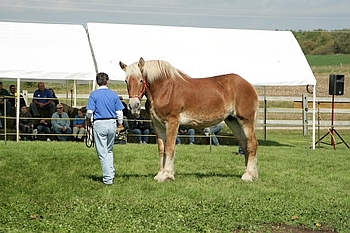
[
  {"x": 104, "y": 103},
  {"x": 42, "y": 97},
  {"x": 79, "y": 120}
]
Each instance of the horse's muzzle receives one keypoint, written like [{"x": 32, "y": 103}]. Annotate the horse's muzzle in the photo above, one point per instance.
[{"x": 135, "y": 106}]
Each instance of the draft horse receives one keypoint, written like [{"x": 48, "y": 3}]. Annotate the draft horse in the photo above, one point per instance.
[{"x": 177, "y": 99}]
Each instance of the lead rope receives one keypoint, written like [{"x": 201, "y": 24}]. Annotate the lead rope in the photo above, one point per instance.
[{"x": 89, "y": 136}]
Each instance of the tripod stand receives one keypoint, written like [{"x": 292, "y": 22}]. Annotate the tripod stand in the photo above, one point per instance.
[{"x": 332, "y": 130}]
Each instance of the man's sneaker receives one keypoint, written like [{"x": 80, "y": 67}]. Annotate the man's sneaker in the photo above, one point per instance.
[{"x": 48, "y": 139}]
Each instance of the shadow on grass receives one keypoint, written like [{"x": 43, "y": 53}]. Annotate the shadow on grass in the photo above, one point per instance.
[
  {"x": 208, "y": 175},
  {"x": 272, "y": 143},
  {"x": 198, "y": 175},
  {"x": 94, "y": 178},
  {"x": 124, "y": 176}
]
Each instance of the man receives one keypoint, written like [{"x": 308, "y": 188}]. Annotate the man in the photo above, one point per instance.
[
  {"x": 42, "y": 99},
  {"x": 60, "y": 123},
  {"x": 105, "y": 107},
  {"x": 139, "y": 128},
  {"x": 4, "y": 101},
  {"x": 212, "y": 131},
  {"x": 185, "y": 131},
  {"x": 12, "y": 98}
]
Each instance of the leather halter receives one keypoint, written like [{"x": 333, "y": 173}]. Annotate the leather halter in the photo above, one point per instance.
[{"x": 144, "y": 89}]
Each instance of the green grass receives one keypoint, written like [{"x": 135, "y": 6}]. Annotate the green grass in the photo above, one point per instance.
[
  {"x": 59, "y": 185},
  {"x": 328, "y": 60}
]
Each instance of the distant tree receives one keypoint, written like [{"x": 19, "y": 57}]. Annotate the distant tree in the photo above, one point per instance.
[
  {"x": 321, "y": 42},
  {"x": 324, "y": 44},
  {"x": 342, "y": 41}
]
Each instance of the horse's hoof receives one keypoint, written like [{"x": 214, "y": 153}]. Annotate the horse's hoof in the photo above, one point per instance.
[
  {"x": 248, "y": 177},
  {"x": 164, "y": 178}
]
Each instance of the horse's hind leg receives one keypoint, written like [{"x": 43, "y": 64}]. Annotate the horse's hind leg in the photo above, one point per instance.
[{"x": 245, "y": 135}]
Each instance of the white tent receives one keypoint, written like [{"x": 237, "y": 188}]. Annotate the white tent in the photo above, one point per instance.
[
  {"x": 32, "y": 51},
  {"x": 264, "y": 58},
  {"x": 46, "y": 52}
]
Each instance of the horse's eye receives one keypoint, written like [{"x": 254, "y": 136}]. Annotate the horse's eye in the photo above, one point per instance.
[{"x": 141, "y": 80}]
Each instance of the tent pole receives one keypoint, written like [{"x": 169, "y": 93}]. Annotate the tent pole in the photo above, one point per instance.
[
  {"x": 75, "y": 93},
  {"x": 265, "y": 101},
  {"x": 314, "y": 117},
  {"x": 66, "y": 91},
  {"x": 17, "y": 108}
]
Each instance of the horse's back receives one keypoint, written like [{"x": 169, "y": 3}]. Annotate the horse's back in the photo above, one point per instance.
[{"x": 229, "y": 86}]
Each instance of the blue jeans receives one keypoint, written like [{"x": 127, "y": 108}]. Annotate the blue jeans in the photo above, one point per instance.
[
  {"x": 45, "y": 129},
  {"x": 104, "y": 135},
  {"x": 138, "y": 133},
  {"x": 189, "y": 132},
  {"x": 215, "y": 130},
  {"x": 60, "y": 135},
  {"x": 8, "y": 108}
]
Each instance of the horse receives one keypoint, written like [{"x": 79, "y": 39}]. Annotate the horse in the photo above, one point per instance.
[{"x": 177, "y": 99}]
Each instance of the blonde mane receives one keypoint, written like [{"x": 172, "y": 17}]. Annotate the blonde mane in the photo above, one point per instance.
[{"x": 155, "y": 69}]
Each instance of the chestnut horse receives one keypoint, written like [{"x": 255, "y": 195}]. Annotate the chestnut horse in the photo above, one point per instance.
[{"x": 177, "y": 99}]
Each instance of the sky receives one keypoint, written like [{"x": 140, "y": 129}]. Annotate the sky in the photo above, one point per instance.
[{"x": 236, "y": 14}]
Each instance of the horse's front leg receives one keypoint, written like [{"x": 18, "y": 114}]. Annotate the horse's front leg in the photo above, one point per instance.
[
  {"x": 161, "y": 137},
  {"x": 169, "y": 154},
  {"x": 160, "y": 143}
]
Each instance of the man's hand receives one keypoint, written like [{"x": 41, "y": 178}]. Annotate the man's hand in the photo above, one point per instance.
[{"x": 120, "y": 128}]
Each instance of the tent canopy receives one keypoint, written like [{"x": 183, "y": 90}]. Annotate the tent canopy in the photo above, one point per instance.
[
  {"x": 52, "y": 52},
  {"x": 264, "y": 58}
]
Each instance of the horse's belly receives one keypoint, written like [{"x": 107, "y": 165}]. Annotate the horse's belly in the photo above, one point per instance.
[{"x": 199, "y": 120}]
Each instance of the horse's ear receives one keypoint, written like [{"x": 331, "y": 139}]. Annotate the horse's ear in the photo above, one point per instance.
[
  {"x": 141, "y": 64},
  {"x": 122, "y": 65}
]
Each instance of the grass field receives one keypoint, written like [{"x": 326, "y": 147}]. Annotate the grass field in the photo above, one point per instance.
[
  {"x": 56, "y": 187},
  {"x": 328, "y": 60}
]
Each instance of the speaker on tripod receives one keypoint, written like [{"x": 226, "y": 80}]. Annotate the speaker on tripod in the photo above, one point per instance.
[
  {"x": 336, "y": 84},
  {"x": 336, "y": 87}
]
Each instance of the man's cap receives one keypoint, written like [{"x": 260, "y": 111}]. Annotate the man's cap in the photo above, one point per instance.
[{"x": 59, "y": 106}]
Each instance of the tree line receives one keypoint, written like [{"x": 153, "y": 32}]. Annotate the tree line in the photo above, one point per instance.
[{"x": 322, "y": 42}]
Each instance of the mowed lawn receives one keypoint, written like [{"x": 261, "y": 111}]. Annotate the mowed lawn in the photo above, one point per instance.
[{"x": 56, "y": 187}]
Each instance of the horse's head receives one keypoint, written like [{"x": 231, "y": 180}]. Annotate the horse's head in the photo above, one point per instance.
[{"x": 136, "y": 84}]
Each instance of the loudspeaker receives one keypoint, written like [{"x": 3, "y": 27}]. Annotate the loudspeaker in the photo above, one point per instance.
[{"x": 336, "y": 84}]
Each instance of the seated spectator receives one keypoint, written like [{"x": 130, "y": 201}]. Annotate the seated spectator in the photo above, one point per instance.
[
  {"x": 139, "y": 128},
  {"x": 5, "y": 105},
  {"x": 43, "y": 126},
  {"x": 61, "y": 124},
  {"x": 185, "y": 131},
  {"x": 13, "y": 97},
  {"x": 55, "y": 100},
  {"x": 25, "y": 122},
  {"x": 42, "y": 99},
  {"x": 211, "y": 131},
  {"x": 79, "y": 126}
]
